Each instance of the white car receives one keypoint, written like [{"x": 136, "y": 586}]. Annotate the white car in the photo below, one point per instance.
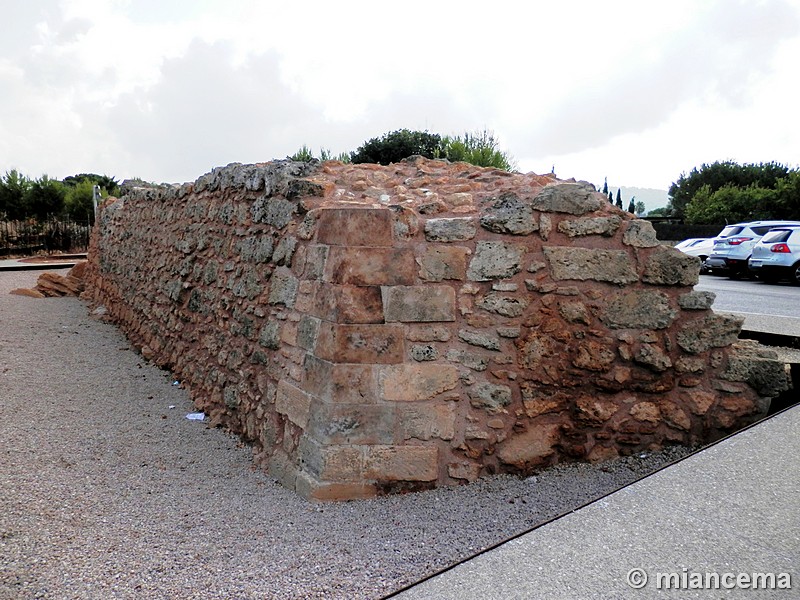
[
  {"x": 700, "y": 247},
  {"x": 777, "y": 256}
]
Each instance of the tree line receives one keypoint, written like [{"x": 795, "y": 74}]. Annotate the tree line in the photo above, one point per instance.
[
  {"x": 726, "y": 191},
  {"x": 24, "y": 198}
]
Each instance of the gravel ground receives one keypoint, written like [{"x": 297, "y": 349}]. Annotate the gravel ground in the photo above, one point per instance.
[{"x": 107, "y": 492}]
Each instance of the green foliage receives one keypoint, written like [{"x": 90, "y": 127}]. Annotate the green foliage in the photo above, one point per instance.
[
  {"x": 640, "y": 207},
  {"x": 108, "y": 184},
  {"x": 397, "y": 145},
  {"x": 719, "y": 175},
  {"x": 479, "y": 148},
  {"x": 731, "y": 204},
  {"x": 304, "y": 154},
  {"x": 45, "y": 197},
  {"x": 79, "y": 201},
  {"x": 662, "y": 211},
  {"x": 13, "y": 190}
]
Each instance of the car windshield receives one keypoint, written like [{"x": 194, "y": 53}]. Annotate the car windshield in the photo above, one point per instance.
[{"x": 731, "y": 230}]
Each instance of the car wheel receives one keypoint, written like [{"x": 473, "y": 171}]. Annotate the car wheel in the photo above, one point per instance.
[
  {"x": 703, "y": 268},
  {"x": 796, "y": 273}
]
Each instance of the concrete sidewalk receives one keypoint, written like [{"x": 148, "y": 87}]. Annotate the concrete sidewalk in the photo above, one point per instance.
[
  {"x": 44, "y": 263},
  {"x": 731, "y": 508}
]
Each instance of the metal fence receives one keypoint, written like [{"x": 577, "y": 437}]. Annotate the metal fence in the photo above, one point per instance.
[{"x": 31, "y": 236}]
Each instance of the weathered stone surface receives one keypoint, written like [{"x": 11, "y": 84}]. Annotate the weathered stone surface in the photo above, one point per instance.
[
  {"x": 696, "y": 300},
  {"x": 594, "y": 356},
  {"x": 370, "y": 266},
  {"x": 438, "y": 263},
  {"x": 333, "y": 463},
  {"x": 675, "y": 416},
  {"x": 667, "y": 266},
  {"x": 428, "y": 333},
  {"x": 606, "y": 226},
  {"x": 714, "y": 331},
  {"x": 572, "y": 198},
  {"x": 509, "y": 214},
  {"x": 355, "y": 227},
  {"x": 613, "y": 266},
  {"x": 760, "y": 367},
  {"x": 490, "y": 397},
  {"x": 595, "y": 410},
  {"x": 495, "y": 260},
  {"x": 532, "y": 448},
  {"x": 401, "y": 463},
  {"x": 427, "y": 421},
  {"x": 699, "y": 401},
  {"x": 503, "y": 304},
  {"x": 477, "y": 338},
  {"x": 53, "y": 285},
  {"x": 653, "y": 357},
  {"x": 293, "y": 402},
  {"x": 575, "y": 312},
  {"x": 646, "y": 412},
  {"x": 346, "y": 383},
  {"x": 340, "y": 423},
  {"x": 429, "y": 303},
  {"x": 283, "y": 287},
  {"x": 270, "y": 336},
  {"x": 640, "y": 234},
  {"x": 348, "y": 303},
  {"x": 376, "y": 344},
  {"x": 257, "y": 248},
  {"x": 30, "y": 293},
  {"x": 273, "y": 211},
  {"x": 458, "y": 229},
  {"x": 415, "y": 382},
  {"x": 639, "y": 309},
  {"x": 473, "y": 361},
  {"x": 423, "y": 353}
]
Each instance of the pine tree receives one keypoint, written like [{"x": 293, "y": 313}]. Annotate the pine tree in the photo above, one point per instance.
[
  {"x": 632, "y": 206},
  {"x": 605, "y": 186}
]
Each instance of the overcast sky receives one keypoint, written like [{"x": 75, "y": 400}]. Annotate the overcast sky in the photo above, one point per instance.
[{"x": 164, "y": 90}]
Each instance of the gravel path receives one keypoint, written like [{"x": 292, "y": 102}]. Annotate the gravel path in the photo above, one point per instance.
[{"x": 107, "y": 492}]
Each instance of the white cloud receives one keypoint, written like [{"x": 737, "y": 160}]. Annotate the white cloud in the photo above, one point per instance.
[{"x": 635, "y": 91}]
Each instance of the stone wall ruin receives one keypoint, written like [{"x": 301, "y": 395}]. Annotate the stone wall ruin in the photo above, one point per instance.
[{"x": 376, "y": 329}]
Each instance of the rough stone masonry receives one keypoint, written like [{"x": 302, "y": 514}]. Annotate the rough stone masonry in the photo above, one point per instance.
[{"x": 377, "y": 329}]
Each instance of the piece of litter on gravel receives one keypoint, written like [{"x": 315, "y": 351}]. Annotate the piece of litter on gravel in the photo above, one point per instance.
[
  {"x": 196, "y": 416},
  {"x": 176, "y": 382},
  {"x": 171, "y": 406}
]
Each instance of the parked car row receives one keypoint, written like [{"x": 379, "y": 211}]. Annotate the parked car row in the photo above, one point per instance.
[{"x": 768, "y": 250}]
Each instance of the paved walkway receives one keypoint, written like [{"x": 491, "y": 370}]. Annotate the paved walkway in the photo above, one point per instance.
[
  {"x": 38, "y": 263},
  {"x": 731, "y": 508}
]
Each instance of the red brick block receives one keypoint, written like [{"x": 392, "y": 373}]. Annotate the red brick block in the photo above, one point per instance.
[{"x": 355, "y": 227}]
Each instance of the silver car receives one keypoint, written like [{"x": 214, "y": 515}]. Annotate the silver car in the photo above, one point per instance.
[
  {"x": 734, "y": 245},
  {"x": 777, "y": 255}
]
